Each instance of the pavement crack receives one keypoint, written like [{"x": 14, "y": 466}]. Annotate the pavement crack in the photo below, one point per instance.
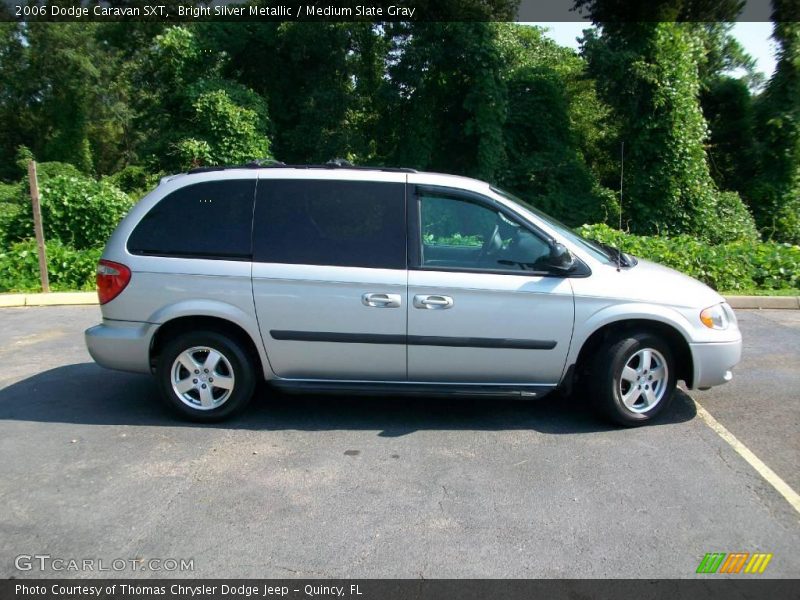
[{"x": 445, "y": 495}]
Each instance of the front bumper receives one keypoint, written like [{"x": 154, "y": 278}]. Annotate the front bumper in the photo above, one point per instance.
[
  {"x": 122, "y": 345},
  {"x": 713, "y": 362}
]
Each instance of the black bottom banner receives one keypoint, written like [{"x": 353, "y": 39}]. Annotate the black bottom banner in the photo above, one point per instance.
[{"x": 396, "y": 589}]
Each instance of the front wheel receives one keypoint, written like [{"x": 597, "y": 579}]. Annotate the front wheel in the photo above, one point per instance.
[
  {"x": 633, "y": 378},
  {"x": 205, "y": 376}
]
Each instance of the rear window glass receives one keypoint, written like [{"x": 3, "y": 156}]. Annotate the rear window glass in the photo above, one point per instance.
[
  {"x": 335, "y": 223},
  {"x": 205, "y": 220}
]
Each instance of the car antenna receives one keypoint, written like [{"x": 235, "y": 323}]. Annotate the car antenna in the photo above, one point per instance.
[{"x": 621, "y": 175}]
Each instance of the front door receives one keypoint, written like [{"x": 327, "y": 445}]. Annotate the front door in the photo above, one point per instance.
[
  {"x": 480, "y": 307},
  {"x": 329, "y": 277}
]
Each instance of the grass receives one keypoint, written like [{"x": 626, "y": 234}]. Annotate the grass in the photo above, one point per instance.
[{"x": 786, "y": 292}]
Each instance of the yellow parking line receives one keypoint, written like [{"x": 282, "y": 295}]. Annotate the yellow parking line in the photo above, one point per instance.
[{"x": 783, "y": 488}]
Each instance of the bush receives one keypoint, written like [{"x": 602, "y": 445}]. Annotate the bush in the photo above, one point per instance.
[
  {"x": 68, "y": 269},
  {"x": 134, "y": 180},
  {"x": 11, "y": 193},
  {"x": 77, "y": 211},
  {"x": 50, "y": 170},
  {"x": 9, "y": 213},
  {"x": 732, "y": 267},
  {"x": 729, "y": 221},
  {"x": 19, "y": 192},
  {"x": 228, "y": 125}
]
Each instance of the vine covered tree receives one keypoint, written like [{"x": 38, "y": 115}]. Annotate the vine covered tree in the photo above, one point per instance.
[
  {"x": 776, "y": 192},
  {"x": 647, "y": 71}
]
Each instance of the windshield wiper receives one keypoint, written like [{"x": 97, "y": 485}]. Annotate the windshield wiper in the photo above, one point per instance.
[{"x": 626, "y": 260}]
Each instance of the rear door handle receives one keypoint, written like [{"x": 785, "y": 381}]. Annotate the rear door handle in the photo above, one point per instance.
[
  {"x": 379, "y": 300},
  {"x": 434, "y": 302}
]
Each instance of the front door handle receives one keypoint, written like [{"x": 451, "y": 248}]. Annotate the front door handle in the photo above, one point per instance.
[
  {"x": 380, "y": 300},
  {"x": 434, "y": 302}
]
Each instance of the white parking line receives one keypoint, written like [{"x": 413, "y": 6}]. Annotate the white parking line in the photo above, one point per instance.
[{"x": 783, "y": 488}]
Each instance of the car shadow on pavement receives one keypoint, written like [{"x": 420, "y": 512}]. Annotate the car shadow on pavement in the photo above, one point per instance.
[{"x": 88, "y": 394}]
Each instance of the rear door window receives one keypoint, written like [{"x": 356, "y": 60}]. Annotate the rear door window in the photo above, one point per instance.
[
  {"x": 212, "y": 220},
  {"x": 332, "y": 223}
]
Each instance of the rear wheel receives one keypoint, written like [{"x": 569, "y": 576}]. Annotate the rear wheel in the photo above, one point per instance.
[
  {"x": 633, "y": 378},
  {"x": 205, "y": 375}
]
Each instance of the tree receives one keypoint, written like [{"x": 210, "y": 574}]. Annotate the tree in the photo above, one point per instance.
[
  {"x": 51, "y": 79},
  {"x": 688, "y": 11},
  {"x": 448, "y": 98},
  {"x": 728, "y": 78},
  {"x": 728, "y": 107},
  {"x": 322, "y": 83},
  {"x": 648, "y": 73},
  {"x": 776, "y": 192},
  {"x": 189, "y": 114},
  {"x": 228, "y": 125},
  {"x": 722, "y": 54},
  {"x": 15, "y": 115},
  {"x": 552, "y": 122}
]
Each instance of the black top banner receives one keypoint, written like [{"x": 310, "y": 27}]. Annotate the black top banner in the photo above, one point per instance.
[{"x": 383, "y": 10}]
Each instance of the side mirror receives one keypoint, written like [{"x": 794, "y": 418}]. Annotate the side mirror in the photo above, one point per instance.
[{"x": 560, "y": 259}]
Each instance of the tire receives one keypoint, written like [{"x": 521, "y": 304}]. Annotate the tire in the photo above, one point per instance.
[
  {"x": 626, "y": 389},
  {"x": 200, "y": 395}
]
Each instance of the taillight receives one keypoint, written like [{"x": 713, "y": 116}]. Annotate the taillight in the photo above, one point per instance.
[{"x": 112, "y": 278}]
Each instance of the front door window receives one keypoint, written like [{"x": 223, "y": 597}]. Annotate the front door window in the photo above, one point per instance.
[{"x": 459, "y": 234}]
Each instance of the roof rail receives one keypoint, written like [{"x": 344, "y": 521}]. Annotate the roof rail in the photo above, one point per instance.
[
  {"x": 266, "y": 163},
  {"x": 206, "y": 169}
]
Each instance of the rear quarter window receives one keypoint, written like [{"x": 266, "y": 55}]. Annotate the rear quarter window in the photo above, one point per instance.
[{"x": 205, "y": 220}]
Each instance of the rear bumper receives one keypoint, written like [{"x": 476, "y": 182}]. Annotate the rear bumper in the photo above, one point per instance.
[
  {"x": 122, "y": 345},
  {"x": 713, "y": 362}
]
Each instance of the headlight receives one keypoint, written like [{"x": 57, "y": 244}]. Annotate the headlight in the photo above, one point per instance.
[
  {"x": 715, "y": 317},
  {"x": 729, "y": 311}
]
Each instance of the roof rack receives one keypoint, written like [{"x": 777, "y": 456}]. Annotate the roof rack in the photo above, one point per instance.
[{"x": 336, "y": 163}]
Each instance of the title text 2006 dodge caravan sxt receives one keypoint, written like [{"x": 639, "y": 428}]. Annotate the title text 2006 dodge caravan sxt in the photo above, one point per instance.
[{"x": 389, "y": 280}]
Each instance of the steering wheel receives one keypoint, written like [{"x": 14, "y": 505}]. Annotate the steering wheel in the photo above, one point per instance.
[{"x": 492, "y": 244}]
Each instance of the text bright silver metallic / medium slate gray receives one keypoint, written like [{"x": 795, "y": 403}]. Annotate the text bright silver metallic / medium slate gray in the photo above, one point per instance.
[{"x": 369, "y": 280}]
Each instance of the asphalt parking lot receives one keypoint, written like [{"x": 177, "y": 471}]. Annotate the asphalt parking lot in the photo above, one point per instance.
[{"x": 94, "y": 468}]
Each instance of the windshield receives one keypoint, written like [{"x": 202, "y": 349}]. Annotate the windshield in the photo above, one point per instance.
[{"x": 594, "y": 248}]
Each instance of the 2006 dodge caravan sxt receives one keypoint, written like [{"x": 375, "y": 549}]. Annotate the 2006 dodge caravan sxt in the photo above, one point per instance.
[{"x": 336, "y": 278}]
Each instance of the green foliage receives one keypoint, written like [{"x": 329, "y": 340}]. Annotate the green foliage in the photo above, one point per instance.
[
  {"x": 614, "y": 11},
  {"x": 546, "y": 157},
  {"x": 308, "y": 76},
  {"x": 448, "y": 98},
  {"x": 68, "y": 269},
  {"x": 229, "y": 125},
  {"x": 76, "y": 211},
  {"x": 52, "y": 91},
  {"x": 728, "y": 108},
  {"x": 648, "y": 73},
  {"x": 470, "y": 241},
  {"x": 191, "y": 114},
  {"x": 483, "y": 97},
  {"x": 50, "y": 170},
  {"x": 134, "y": 180},
  {"x": 728, "y": 220},
  {"x": 723, "y": 54},
  {"x": 731, "y": 267},
  {"x": 44, "y": 170},
  {"x": 775, "y": 194},
  {"x": 9, "y": 214},
  {"x": 10, "y": 193}
]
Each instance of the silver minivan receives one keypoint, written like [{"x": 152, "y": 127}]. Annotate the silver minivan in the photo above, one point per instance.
[{"x": 365, "y": 280}]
